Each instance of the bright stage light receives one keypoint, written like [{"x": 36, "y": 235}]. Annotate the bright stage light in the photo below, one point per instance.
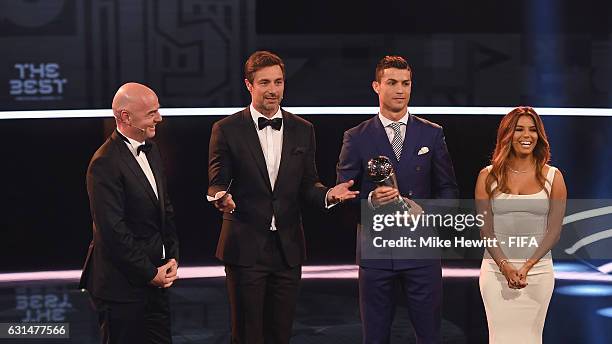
[
  {"x": 311, "y": 110},
  {"x": 316, "y": 272},
  {"x": 605, "y": 312},
  {"x": 597, "y": 290}
]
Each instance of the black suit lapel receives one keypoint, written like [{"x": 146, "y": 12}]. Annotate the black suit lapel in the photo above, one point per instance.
[
  {"x": 155, "y": 164},
  {"x": 288, "y": 145},
  {"x": 252, "y": 141},
  {"x": 130, "y": 161}
]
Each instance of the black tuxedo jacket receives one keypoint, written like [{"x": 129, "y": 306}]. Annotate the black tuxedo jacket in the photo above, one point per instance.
[
  {"x": 129, "y": 223},
  {"x": 235, "y": 153}
]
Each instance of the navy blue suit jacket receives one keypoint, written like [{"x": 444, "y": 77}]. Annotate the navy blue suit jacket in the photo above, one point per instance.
[{"x": 426, "y": 176}]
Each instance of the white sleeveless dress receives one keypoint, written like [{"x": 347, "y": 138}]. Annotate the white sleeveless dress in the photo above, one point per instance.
[{"x": 518, "y": 315}]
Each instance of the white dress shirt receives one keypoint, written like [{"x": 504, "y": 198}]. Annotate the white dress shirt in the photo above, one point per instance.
[
  {"x": 142, "y": 161},
  {"x": 271, "y": 145}
]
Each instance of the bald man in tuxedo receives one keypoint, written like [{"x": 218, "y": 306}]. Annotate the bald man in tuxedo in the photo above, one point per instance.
[{"x": 133, "y": 257}]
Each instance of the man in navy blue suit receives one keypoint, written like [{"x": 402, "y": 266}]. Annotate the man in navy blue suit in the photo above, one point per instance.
[{"x": 424, "y": 170}]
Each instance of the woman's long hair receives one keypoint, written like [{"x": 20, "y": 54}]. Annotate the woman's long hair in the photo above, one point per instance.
[{"x": 504, "y": 151}]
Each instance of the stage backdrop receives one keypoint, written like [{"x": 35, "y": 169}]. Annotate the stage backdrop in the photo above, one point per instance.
[
  {"x": 59, "y": 54},
  {"x": 45, "y": 212}
]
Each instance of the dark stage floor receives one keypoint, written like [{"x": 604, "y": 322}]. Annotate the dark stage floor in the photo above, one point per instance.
[{"x": 328, "y": 310}]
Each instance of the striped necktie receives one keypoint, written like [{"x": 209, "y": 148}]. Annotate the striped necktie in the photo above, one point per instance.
[{"x": 397, "y": 141}]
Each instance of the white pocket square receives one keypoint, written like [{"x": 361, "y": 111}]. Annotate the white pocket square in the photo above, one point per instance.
[{"x": 423, "y": 150}]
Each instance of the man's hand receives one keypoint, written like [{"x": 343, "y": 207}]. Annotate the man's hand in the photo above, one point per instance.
[
  {"x": 384, "y": 195},
  {"x": 166, "y": 275},
  {"x": 173, "y": 271},
  {"x": 341, "y": 192},
  {"x": 225, "y": 203}
]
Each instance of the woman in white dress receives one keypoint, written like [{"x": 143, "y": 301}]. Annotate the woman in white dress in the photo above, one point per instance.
[{"x": 521, "y": 197}]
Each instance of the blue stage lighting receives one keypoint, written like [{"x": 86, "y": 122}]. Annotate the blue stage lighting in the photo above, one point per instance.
[
  {"x": 586, "y": 290},
  {"x": 572, "y": 267},
  {"x": 605, "y": 312}
]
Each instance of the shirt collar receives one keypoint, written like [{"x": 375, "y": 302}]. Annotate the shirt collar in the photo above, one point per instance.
[
  {"x": 386, "y": 122},
  {"x": 256, "y": 114},
  {"x": 132, "y": 144}
]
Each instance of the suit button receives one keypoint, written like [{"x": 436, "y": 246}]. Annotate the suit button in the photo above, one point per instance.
[
  {"x": 274, "y": 198},
  {"x": 418, "y": 168}
]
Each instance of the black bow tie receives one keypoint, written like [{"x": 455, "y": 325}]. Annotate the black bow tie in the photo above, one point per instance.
[
  {"x": 275, "y": 123},
  {"x": 146, "y": 148}
]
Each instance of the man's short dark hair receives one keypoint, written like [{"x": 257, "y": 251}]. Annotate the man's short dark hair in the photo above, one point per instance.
[
  {"x": 261, "y": 59},
  {"x": 391, "y": 61}
]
